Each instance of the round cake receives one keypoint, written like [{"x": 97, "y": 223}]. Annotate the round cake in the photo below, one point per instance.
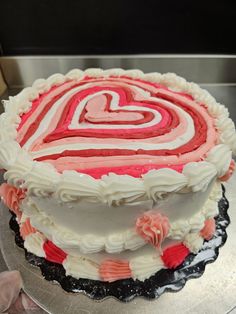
[{"x": 115, "y": 174}]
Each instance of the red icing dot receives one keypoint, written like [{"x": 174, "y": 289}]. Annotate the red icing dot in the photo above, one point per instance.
[
  {"x": 53, "y": 253},
  {"x": 175, "y": 255}
]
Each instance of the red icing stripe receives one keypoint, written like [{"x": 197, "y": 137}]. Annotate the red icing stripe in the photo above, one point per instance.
[
  {"x": 135, "y": 170},
  {"x": 53, "y": 253},
  {"x": 62, "y": 131},
  {"x": 34, "y": 125},
  {"x": 175, "y": 255}
]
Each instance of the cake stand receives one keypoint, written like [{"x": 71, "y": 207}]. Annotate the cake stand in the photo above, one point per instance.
[{"x": 214, "y": 291}]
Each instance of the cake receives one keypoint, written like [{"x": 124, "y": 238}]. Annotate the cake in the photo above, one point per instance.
[{"x": 115, "y": 174}]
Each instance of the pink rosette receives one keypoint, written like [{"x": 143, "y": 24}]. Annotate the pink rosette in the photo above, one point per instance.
[
  {"x": 229, "y": 172},
  {"x": 12, "y": 197},
  {"x": 153, "y": 228}
]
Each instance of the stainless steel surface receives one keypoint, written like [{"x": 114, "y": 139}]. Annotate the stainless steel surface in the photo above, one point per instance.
[
  {"x": 214, "y": 292},
  {"x": 22, "y": 71}
]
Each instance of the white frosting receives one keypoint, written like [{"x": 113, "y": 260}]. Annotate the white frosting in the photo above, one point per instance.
[
  {"x": 34, "y": 244},
  {"x": 220, "y": 156},
  {"x": 127, "y": 190},
  {"x": 21, "y": 103},
  {"x": 75, "y": 74},
  {"x": 194, "y": 242},
  {"x": 41, "y": 86},
  {"x": 75, "y": 186},
  {"x": 39, "y": 185},
  {"x": 112, "y": 240},
  {"x": 80, "y": 267},
  {"x": 143, "y": 267},
  {"x": 200, "y": 174},
  {"x": 17, "y": 172},
  {"x": 163, "y": 181},
  {"x": 56, "y": 79},
  {"x": 8, "y": 153}
]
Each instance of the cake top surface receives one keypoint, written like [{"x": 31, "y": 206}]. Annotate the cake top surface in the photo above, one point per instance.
[{"x": 86, "y": 127}]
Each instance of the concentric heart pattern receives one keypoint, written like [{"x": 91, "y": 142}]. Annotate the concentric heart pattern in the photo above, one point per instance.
[{"x": 116, "y": 124}]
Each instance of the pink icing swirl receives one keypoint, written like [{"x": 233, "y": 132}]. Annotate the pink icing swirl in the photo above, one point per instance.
[
  {"x": 209, "y": 228},
  {"x": 229, "y": 172},
  {"x": 153, "y": 228},
  {"x": 12, "y": 197},
  {"x": 112, "y": 270}
]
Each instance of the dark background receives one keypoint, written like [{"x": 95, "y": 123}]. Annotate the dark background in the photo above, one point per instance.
[{"x": 117, "y": 27}]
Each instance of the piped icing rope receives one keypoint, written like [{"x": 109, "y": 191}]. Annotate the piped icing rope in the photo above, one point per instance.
[{"x": 143, "y": 98}]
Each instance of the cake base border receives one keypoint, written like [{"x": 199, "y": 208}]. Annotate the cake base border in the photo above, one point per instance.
[{"x": 125, "y": 290}]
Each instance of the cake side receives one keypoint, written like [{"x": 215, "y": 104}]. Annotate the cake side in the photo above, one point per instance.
[{"x": 165, "y": 251}]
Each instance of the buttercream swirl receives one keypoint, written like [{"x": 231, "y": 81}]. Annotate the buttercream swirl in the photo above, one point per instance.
[
  {"x": 39, "y": 185},
  {"x": 179, "y": 229},
  {"x": 200, "y": 174},
  {"x": 163, "y": 181},
  {"x": 16, "y": 173},
  {"x": 118, "y": 191},
  {"x": 143, "y": 267},
  {"x": 74, "y": 186},
  {"x": 81, "y": 267},
  {"x": 75, "y": 74},
  {"x": 194, "y": 242},
  {"x": 153, "y": 228},
  {"x": 41, "y": 86},
  {"x": 34, "y": 244},
  {"x": 8, "y": 154},
  {"x": 229, "y": 173},
  {"x": 220, "y": 156}
]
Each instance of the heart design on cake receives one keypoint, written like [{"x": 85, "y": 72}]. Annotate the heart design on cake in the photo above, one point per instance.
[{"x": 115, "y": 124}]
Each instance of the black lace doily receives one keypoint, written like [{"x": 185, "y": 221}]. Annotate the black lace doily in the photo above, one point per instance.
[{"x": 127, "y": 289}]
